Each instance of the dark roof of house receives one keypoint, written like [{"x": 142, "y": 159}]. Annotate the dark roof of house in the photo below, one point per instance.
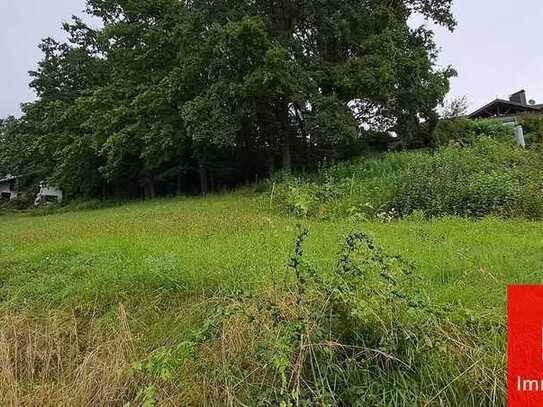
[{"x": 514, "y": 108}]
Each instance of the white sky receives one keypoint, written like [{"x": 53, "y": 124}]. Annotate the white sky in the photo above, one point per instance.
[{"x": 495, "y": 48}]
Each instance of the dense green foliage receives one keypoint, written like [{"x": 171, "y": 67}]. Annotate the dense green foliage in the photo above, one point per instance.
[
  {"x": 170, "y": 96},
  {"x": 533, "y": 128},
  {"x": 486, "y": 177},
  {"x": 460, "y": 131},
  {"x": 191, "y": 302}
]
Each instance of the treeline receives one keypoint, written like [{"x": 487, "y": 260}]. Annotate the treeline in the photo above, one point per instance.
[{"x": 171, "y": 96}]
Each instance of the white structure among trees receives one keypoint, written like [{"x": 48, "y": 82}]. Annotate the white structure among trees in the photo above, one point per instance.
[
  {"x": 48, "y": 193},
  {"x": 9, "y": 187}
]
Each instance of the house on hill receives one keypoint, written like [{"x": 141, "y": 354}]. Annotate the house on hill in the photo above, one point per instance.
[
  {"x": 507, "y": 109},
  {"x": 48, "y": 193},
  {"x": 9, "y": 187}
]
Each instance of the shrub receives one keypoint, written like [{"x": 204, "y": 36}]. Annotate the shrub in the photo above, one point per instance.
[
  {"x": 359, "y": 334},
  {"x": 533, "y": 128},
  {"x": 358, "y": 189},
  {"x": 489, "y": 177},
  {"x": 463, "y": 132}
]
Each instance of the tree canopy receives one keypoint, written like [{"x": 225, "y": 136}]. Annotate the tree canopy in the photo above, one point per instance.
[{"x": 170, "y": 96}]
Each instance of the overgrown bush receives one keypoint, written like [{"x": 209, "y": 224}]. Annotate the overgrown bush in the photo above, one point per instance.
[
  {"x": 359, "y": 190},
  {"x": 488, "y": 177},
  {"x": 463, "y": 132},
  {"x": 533, "y": 128},
  {"x": 363, "y": 319},
  {"x": 360, "y": 334}
]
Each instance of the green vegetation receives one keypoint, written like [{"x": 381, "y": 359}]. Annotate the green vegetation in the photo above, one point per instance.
[
  {"x": 533, "y": 128},
  {"x": 490, "y": 176},
  {"x": 378, "y": 282},
  {"x": 460, "y": 131},
  {"x": 191, "y": 302},
  {"x": 391, "y": 293},
  {"x": 183, "y": 97}
]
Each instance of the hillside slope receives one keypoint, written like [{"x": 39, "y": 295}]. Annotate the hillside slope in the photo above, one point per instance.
[{"x": 86, "y": 295}]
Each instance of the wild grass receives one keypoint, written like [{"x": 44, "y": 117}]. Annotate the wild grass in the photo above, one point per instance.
[
  {"x": 62, "y": 359},
  {"x": 485, "y": 177},
  {"x": 165, "y": 302}
]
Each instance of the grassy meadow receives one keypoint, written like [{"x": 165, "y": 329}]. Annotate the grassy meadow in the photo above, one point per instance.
[{"x": 136, "y": 305}]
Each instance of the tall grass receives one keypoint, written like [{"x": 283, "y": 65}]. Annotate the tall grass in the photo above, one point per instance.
[
  {"x": 60, "y": 359},
  {"x": 207, "y": 301},
  {"x": 487, "y": 177}
]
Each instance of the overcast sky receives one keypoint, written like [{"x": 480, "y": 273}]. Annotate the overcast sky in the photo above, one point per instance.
[{"x": 495, "y": 48}]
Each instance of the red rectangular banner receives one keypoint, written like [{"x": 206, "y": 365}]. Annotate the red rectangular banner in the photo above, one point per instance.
[{"x": 525, "y": 346}]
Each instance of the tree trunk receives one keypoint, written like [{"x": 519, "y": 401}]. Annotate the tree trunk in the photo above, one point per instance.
[
  {"x": 179, "y": 186},
  {"x": 287, "y": 158},
  {"x": 104, "y": 191},
  {"x": 286, "y": 138},
  {"x": 204, "y": 185},
  {"x": 271, "y": 164},
  {"x": 149, "y": 189},
  {"x": 212, "y": 181}
]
